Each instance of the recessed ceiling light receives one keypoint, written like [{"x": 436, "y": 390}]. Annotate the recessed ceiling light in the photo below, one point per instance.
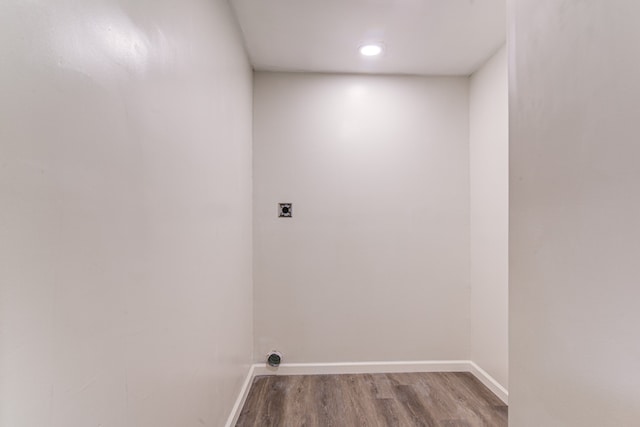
[{"x": 371, "y": 50}]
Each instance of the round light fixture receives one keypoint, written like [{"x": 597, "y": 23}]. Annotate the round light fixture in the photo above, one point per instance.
[{"x": 371, "y": 50}]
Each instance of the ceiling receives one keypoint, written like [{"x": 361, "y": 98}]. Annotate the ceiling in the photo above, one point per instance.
[{"x": 426, "y": 37}]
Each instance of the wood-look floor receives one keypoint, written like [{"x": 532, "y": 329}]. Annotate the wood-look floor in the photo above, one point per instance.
[{"x": 444, "y": 399}]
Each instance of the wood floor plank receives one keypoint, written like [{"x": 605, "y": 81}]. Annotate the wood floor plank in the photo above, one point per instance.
[
  {"x": 332, "y": 400},
  {"x": 419, "y": 415},
  {"x": 382, "y": 385},
  {"x": 390, "y": 413},
  {"x": 437, "y": 398},
  {"x": 372, "y": 400}
]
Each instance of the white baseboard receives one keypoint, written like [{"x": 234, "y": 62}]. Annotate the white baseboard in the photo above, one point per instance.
[
  {"x": 242, "y": 397},
  {"x": 489, "y": 382},
  {"x": 365, "y": 368}
]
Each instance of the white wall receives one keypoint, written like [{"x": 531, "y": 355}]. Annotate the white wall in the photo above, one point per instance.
[
  {"x": 125, "y": 227},
  {"x": 373, "y": 266},
  {"x": 489, "y": 207},
  {"x": 575, "y": 213}
]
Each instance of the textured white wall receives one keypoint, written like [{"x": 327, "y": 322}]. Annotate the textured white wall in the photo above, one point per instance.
[
  {"x": 374, "y": 264},
  {"x": 489, "y": 207},
  {"x": 575, "y": 213},
  {"x": 125, "y": 227}
]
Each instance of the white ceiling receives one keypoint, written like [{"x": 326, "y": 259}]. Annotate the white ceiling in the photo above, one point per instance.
[{"x": 429, "y": 37}]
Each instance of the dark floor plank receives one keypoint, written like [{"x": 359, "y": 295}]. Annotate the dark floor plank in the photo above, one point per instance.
[{"x": 442, "y": 399}]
